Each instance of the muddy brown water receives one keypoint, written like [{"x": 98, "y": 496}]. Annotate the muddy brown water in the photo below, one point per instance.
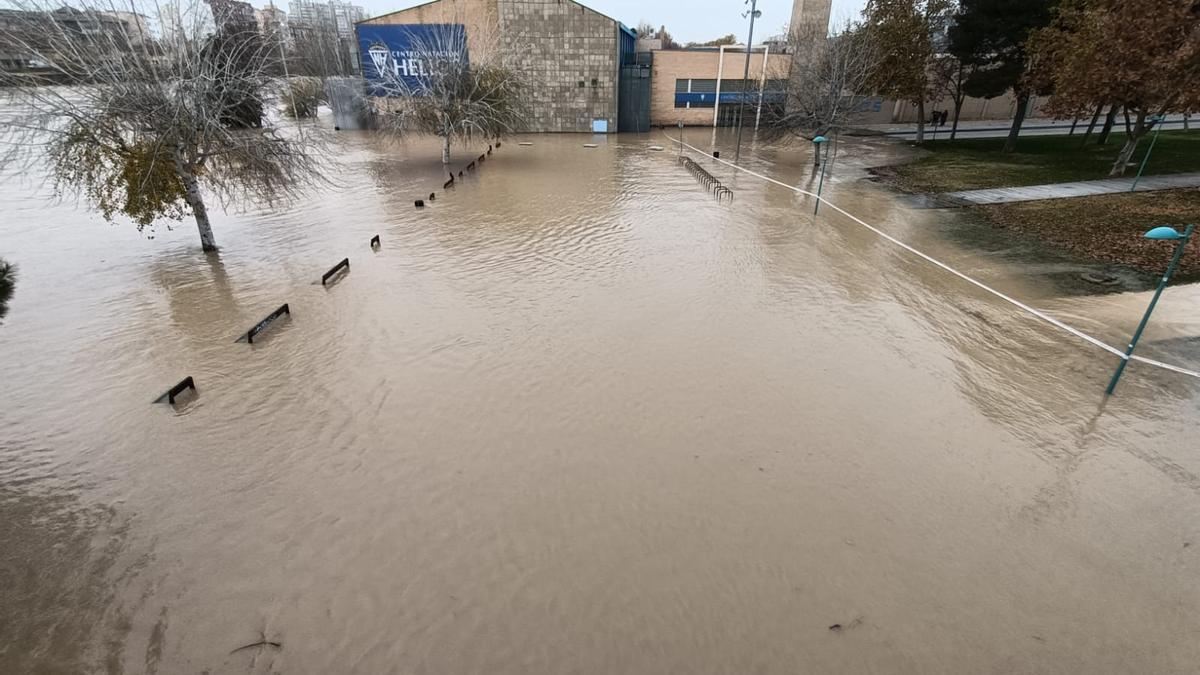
[{"x": 575, "y": 416}]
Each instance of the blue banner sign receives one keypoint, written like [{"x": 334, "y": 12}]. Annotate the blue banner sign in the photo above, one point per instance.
[{"x": 392, "y": 60}]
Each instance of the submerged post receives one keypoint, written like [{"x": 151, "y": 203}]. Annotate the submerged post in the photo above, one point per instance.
[
  {"x": 1161, "y": 233},
  {"x": 184, "y": 384}
]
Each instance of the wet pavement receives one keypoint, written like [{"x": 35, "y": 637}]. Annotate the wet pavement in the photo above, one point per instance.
[{"x": 578, "y": 416}]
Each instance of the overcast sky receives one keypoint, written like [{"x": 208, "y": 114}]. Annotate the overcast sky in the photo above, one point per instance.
[{"x": 686, "y": 20}]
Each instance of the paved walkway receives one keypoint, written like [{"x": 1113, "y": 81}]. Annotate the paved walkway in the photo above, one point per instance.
[
  {"x": 1034, "y": 126},
  {"x": 1108, "y": 186}
]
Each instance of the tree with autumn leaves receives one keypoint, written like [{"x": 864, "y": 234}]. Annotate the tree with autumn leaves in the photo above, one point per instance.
[
  {"x": 1142, "y": 56},
  {"x": 901, "y": 32}
]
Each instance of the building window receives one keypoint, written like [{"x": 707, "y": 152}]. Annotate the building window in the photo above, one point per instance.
[{"x": 695, "y": 93}]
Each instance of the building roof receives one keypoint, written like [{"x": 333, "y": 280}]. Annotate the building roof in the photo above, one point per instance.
[{"x": 430, "y": 2}]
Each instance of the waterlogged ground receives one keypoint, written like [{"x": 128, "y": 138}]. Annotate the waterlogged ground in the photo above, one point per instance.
[{"x": 575, "y": 416}]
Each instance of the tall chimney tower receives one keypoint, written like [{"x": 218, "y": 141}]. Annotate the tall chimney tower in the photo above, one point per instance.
[{"x": 810, "y": 15}]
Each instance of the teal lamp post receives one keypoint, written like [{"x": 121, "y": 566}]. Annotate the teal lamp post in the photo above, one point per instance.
[
  {"x": 1162, "y": 234},
  {"x": 1158, "y": 120},
  {"x": 817, "y": 143}
]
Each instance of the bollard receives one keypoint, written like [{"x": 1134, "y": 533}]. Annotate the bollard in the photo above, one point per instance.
[
  {"x": 375, "y": 242},
  {"x": 489, "y": 150},
  {"x": 420, "y": 203},
  {"x": 460, "y": 174},
  {"x": 716, "y": 154},
  {"x": 184, "y": 384},
  {"x": 262, "y": 325},
  {"x": 344, "y": 264}
]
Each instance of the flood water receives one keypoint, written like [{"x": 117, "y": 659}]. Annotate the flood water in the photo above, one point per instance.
[{"x": 576, "y": 416}]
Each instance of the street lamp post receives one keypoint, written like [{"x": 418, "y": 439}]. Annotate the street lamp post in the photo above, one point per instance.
[
  {"x": 753, "y": 14},
  {"x": 1158, "y": 120},
  {"x": 817, "y": 143},
  {"x": 1159, "y": 233}
]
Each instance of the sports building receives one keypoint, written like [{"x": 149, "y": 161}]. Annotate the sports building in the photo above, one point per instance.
[{"x": 570, "y": 55}]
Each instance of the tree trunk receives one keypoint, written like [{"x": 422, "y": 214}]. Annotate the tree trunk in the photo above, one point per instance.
[
  {"x": 1108, "y": 125},
  {"x": 195, "y": 200},
  {"x": 1018, "y": 119},
  {"x": 1136, "y": 131},
  {"x": 958, "y": 104},
  {"x": 446, "y": 149},
  {"x": 921, "y": 121},
  {"x": 1092, "y": 125}
]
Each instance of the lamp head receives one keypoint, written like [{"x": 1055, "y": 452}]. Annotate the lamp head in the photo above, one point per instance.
[
  {"x": 820, "y": 139},
  {"x": 1164, "y": 232}
]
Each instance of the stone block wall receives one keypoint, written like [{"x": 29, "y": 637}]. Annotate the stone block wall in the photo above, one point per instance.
[
  {"x": 567, "y": 52},
  {"x": 570, "y": 55}
]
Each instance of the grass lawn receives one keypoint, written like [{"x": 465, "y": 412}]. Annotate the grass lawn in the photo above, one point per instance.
[
  {"x": 946, "y": 166},
  {"x": 1108, "y": 227}
]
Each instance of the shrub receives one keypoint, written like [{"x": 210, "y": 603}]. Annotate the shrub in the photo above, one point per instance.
[{"x": 302, "y": 96}]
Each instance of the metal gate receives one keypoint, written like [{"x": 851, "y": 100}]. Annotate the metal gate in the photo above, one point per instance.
[{"x": 633, "y": 97}]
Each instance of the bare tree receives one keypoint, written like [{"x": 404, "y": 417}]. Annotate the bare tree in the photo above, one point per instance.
[
  {"x": 827, "y": 82},
  {"x": 438, "y": 88},
  {"x": 147, "y": 131}
]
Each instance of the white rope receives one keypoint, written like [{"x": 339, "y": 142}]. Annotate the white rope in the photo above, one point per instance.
[{"x": 1096, "y": 342}]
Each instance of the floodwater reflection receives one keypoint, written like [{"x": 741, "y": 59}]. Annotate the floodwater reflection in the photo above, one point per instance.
[{"x": 575, "y": 415}]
